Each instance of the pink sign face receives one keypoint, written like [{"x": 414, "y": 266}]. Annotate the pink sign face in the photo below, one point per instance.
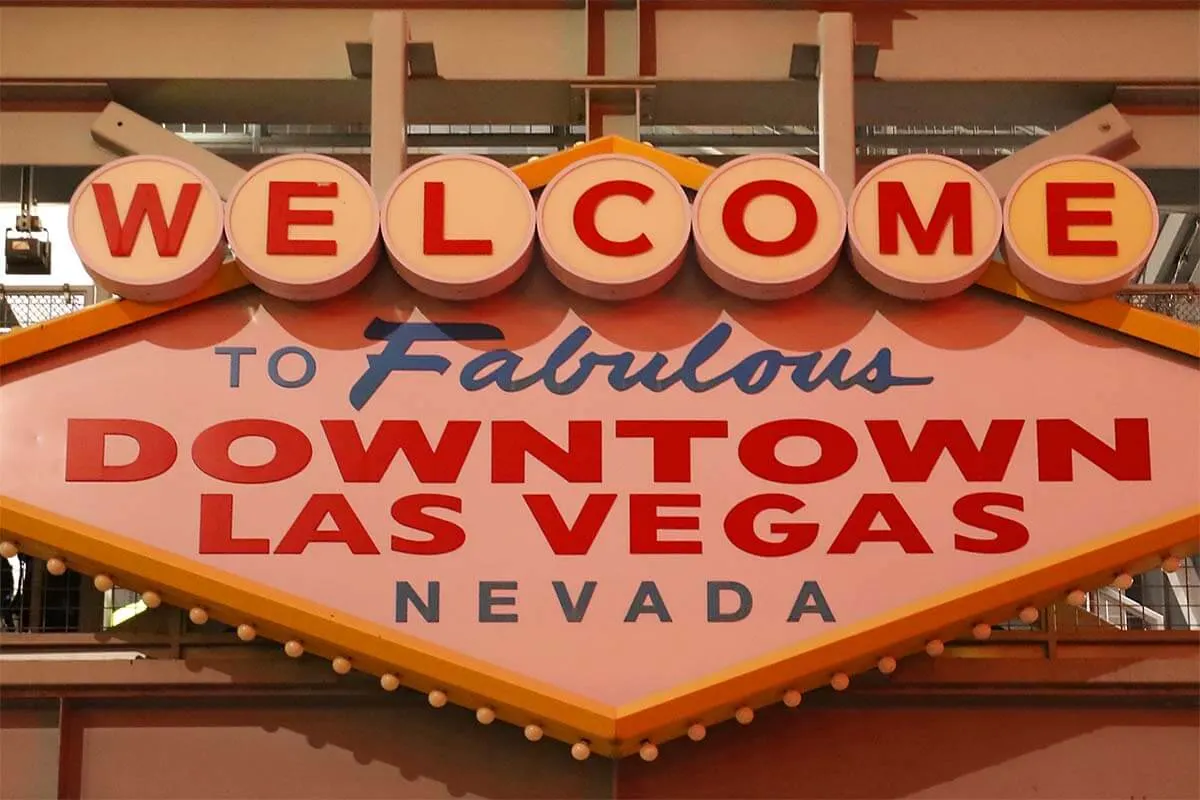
[{"x": 612, "y": 503}]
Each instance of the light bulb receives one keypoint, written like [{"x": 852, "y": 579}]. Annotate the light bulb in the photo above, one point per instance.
[
  {"x": 485, "y": 716},
  {"x": 389, "y": 682},
  {"x": 56, "y": 566},
  {"x": 151, "y": 599},
  {"x": 1123, "y": 581},
  {"x": 935, "y": 647},
  {"x": 246, "y": 632},
  {"x": 648, "y": 751},
  {"x": 580, "y": 751},
  {"x": 840, "y": 682},
  {"x": 293, "y": 648},
  {"x": 744, "y": 715},
  {"x": 341, "y": 665},
  {"x": 1076, "y": 598},
  {"x": 982, "y": 631},
  {"x": 792, "y": 698},
  {"x": 887, "y": 665},
  {"x": 7, "y": 549},
  {"x": 1172, "y": 563},
  {"x": 534, "y": 733},
  {"x": 437, "y": 698},
  {"x": 697, "y": 732},
  {"x": 198, "y": 616},
  {"x": 102, "y": 582}
]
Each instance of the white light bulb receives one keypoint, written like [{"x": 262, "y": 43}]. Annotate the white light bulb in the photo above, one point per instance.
[
  {"x": 341, "y": 665},
  {"x": 102, "y": 582},
  {"x": 437, "y": 698},
  {"x": 151, "y": 599},
  {"x": 389, "y": 682},
  {"x": 246, "y": 632},
  {"x": 485, "y": 716},
  {"x": 648, "y": 751},
  {"x": 56, "y": 566},
  {"x": 580, "y": 751},
  {"x": 534, "y": 733},
  {"x": 293, "y": 648},
  {"x": 198, "y": 616}
]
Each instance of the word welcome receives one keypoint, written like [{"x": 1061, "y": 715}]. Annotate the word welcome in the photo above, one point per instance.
[{"x": 613, "y": 227}]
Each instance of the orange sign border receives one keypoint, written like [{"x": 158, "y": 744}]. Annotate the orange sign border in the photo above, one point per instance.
[{"x": 610, "y": 731}]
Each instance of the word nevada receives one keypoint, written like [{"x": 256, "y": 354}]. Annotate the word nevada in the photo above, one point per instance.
[{"x": 612, "y": 227}]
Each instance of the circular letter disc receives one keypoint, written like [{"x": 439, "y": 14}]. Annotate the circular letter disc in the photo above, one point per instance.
[
  {"x": 769, "y": 202},
  {"x": 160, "y": 258},
  {"x": 353, "y": 230},
  {"x": 481, "y": 201},
  {"x": 663, "y": 219},
  {"x": 912, "y": 196},
  {"x": 1034, "y": 248}
]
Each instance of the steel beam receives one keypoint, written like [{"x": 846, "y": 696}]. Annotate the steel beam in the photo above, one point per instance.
[{"x": 122, "y": 131}]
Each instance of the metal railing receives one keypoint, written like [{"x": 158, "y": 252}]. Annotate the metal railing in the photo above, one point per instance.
[{"x": 22, "y": 306}]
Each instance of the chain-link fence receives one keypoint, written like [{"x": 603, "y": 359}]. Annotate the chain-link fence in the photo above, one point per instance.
[
  {"x": 22, "y": 306},
  {"x": 1180, "y": 301}
]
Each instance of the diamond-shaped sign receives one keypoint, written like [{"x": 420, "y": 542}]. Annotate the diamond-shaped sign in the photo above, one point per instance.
[{"x": 608, "y": 521}]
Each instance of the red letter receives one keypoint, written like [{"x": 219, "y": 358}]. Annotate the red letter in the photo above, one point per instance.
[
  {"x": 905, "y": 464},
  {"x": 645, "y": 524},
  {"x": 146, "y": 203},
  {"x": 216, "y": 529},
  {"x": 585, "y": 218},
  {"x": 435, "y": 241},
  {"x": 972, "y": 510},
  {"x": 1059, "y": 219},
  {"x": 570, "y": 540},
  {"x": 672, "y": 443},
  {"x": 838, "y": 451},
  {"x": 579, "y": 463},
  {"x": 210, "y": 451},
  {"x": 953, "y": 205},
  {"x": 348, "y": 528},
  {"x": 794, "y": 536},
  {"x": 85, "y": 450},
  {"x": 900, "y": 527},
  {"x": 359, "y": 464},
  {"x": 733, "y": 218},
  {"x": 1059, "y": 439},
  {"x": 281, "y": 217},
  {"x": 444, "y": 535}
]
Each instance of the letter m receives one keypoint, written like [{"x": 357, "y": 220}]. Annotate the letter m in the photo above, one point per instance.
[{"x": 146, "y": 206}]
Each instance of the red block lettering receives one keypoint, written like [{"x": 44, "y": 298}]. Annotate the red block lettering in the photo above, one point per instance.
[
  {"x": 915, "y": 463},
  {"x": 838, "y": 451},
  {"x": 953, "y": 210},
  {"x": 581, "y": 462},
  {"x": 434, "y": 241},
  {"x": 858, "y": 528},
  {"x": 431, "y": 464},
  {"x": 733, "y": 218},
  {"x": 1007, "y": 535},
  {"x": 146, "y": 206},
  {"x": 1059, "y": 439},
  {"x": 86, "y": 439},
  {"x": 216, "y": 529},
  {"x": 585, "y": 218},
  {"x": 672, "y": 440},
  {"x": 646, "y": 523},
  {"x": 281, "y": 217},
  {"x": 444, "y": 536},
  {"x": 348, "y": 528},
  {"x": 210, "y": 451},
  {"x": 574, "y": 539},
  {"x": 793, "y": 536},
  {"x": 1060, "y": 219}
]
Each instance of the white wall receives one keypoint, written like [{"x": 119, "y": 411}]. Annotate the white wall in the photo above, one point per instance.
[{"x": 65, "y": 266}]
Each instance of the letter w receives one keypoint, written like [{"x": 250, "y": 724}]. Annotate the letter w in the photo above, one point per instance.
[
  {"x": 146, "y": 206},
  {"x": 986, "y": 462}
]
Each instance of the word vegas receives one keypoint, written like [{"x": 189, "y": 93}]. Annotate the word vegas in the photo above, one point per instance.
[
  {"x": 614, "y": 227},
  {"x": 426, "y": 521}
]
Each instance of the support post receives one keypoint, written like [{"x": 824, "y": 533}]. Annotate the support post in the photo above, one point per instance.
[
  {"x": 389, "y": 82},
  {"x": 835, "y": 99}
]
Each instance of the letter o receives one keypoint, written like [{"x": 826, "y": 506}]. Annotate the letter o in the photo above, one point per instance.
[
  {"x": 613, "y": 227},
  {"x": 210, "y": 451},
  {"x": 768, "y": 226},
  {"x": 310, "y": 367},
  {"x": 757, "y": 451}
]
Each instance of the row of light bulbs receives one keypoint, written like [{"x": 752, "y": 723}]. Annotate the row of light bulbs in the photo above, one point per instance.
[{"x": 582, "y": 750}]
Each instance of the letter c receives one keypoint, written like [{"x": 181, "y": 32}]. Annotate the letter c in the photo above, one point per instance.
[{"x": 585, "y": 218}]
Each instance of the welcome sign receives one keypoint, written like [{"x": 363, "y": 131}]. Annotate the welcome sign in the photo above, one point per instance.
[{"x": 611, "y": 522}]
